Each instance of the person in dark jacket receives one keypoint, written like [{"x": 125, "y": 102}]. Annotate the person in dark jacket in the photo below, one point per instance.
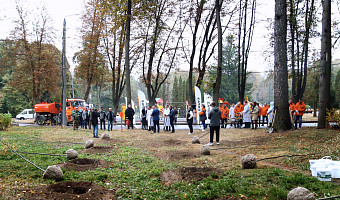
[
  {"x": 190, "y": 120},
  {"x": 144, "y": 122},
  {"x": 86, "y": 117},
  {"x": 94, "y": 122},
  {"x": 155, "y": 117},
  {"x": 215, "y": 118},
  {"x": 102, "y": 116},
  {"x": 129, "y": 113},
  {"x": 110, "y": 117},
  {"x": 172, "y": 119}
]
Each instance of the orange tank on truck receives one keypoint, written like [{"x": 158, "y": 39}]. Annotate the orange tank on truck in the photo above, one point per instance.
[{"x": 52, "y": 108}]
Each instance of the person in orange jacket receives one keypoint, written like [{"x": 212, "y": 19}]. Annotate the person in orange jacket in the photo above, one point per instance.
[
  {"x": 224, "y": 116},
  {"x": 221, "y": 109},
  {"x": 300, "y": 108},
  {"x": 291, "y": 107},
  {"x": 264, "y": 114},
  {"x": 203, "y": 117},
  {"x": 238, "y": 110},
  {"x": 259, "y": 115}
]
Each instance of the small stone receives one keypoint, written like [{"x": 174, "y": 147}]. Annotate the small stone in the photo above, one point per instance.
[
  {"x": 249, "y": 161},
  {"x": 89, "y": 144},
  {"x": 105, "y": 136},
  {"x": 195, "y": 140},
  {"x": 205, "y": 150},
  {"x": 71, "y": 154},
  {"x": 53, "y": 172},
  {"x": 300, "y": 193}
]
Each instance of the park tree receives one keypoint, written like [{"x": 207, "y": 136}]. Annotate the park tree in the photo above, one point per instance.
[
  {"x": 90, "y": 58},
  {"x": 127, "y": 52},
  {"x": 282, "y": 119},
  {"x": 325, "y": 64},
  {"x": 204, "y": 37},
  {"x": 245, "y": 37},
  {"x": 37, "y": 64},
  {"x": 161, "y": 39},
  {"x": 301, "y": 27}
]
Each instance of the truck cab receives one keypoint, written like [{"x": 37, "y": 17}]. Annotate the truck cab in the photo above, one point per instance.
[{"x": 71, "y": 104}]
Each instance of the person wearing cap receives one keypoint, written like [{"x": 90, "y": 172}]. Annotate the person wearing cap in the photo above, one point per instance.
[{"x": 75, "y": 116}]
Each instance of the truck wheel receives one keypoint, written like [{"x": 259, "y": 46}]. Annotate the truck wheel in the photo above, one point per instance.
[
  {"x": 40, "y": 120},
  {"x": 22, "y": 118}
]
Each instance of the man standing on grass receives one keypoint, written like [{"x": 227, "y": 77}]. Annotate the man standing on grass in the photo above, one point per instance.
[
  {"x": 110, "y": 117},
  {"x": 129, "y": 113},
  {"x": 300, "y": 108},
  {"x": 172, "y": 119},
  {"x": 215, "y": 118},
  {"x": 102, "y": 116},
  {"x": 94, "y": 122},
  {"x": 155, "y": 118},
  {"x": 75, "y": 114}
]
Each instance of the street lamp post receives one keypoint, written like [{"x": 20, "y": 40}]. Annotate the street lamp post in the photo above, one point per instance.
[{"x": 63, "y": 96}]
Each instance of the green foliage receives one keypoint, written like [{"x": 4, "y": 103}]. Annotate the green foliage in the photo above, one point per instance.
[{"x": 5, "y": 121}]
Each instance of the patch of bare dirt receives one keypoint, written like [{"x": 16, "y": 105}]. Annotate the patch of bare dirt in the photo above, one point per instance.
[
  {"x": 83, "y": 164},
  {"x": 70, "y": 190},
  {"x": 111, "y": 141},
  {"x": 177, "y": 155},
  {"x": 97, "y": 149},
  {"x": 188, "y": 174},
  {"x": 173, "y": 142}
]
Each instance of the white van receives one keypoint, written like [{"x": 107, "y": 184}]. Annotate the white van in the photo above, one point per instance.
[{"x": 25, "y": 114}]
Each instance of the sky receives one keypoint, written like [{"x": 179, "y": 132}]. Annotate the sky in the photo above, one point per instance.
[{"x": 259, "y": 59}]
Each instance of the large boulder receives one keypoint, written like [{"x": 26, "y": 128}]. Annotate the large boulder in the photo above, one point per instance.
[
  {"x": 300, "y": 193},
  {"x": 195, "y": 140},
  {"x": 53, "y": 172},
  {"x": 205, "y": 150},
  {"x": 71, "y": 154},
  {"x": 248, "y": 161},
  {"x": 89, "y": 144},
  {"x": 105, "y": 136}
]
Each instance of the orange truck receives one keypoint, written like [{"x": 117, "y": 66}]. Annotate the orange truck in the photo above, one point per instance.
[{"x": 50, "y": 113}]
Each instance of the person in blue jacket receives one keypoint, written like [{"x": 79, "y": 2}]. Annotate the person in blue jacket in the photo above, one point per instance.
[{"x": 155, "y": 116}]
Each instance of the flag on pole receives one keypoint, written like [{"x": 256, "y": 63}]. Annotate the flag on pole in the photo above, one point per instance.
[
  {"x": 141, "y": 101},
  {"x": 198, "y": 99},
  {"x": 207, "y": 101}
]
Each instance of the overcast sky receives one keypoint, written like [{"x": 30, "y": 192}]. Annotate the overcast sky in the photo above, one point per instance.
[{"x": 60, "y": 9}]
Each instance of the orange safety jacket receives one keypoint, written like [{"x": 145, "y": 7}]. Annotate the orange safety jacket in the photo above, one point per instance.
[
  {"x": 225, "y": 113},
  {"x": 238, "y": 109},
  {"x": 292, "y": 108},
  {"x": 301, "y": 107},
  {"x": 264, "y": 110}
]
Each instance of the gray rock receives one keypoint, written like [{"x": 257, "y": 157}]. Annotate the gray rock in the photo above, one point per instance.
[
  {"x": 89, "y": 144},
  {"x": 71, "y": 154},
  {"x": 249, "y": 161},
  {"x": 205, "y": 150},
  {"x": 300, "y": 193},
  {"x": 53, "y": 172},
  {"x": 105, "y": 136},
  {"x": 195, "y": 140}
]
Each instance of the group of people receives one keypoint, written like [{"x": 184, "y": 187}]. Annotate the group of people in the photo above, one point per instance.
[
  {"x": 151, "y": 116},
  {"x": 88, "y": 118}
]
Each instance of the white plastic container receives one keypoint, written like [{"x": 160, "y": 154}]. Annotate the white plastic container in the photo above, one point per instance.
[
  {"x": 335, "y": 169},
  {"x": 324, "y": 174},
  {"x": 324, "y": 162}
]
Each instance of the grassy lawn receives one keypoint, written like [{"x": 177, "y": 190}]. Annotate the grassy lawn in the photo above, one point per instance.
[{"x": 140, "y": 165}]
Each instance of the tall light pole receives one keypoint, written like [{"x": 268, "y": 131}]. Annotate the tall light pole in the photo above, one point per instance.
[{"x": 63, "y": 62}]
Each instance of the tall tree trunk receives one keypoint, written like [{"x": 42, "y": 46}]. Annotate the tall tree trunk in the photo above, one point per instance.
[
  {"x": 127, "y": 54},
  {"x": 282, "y": 119},
  {"x": 217, "y": 84},
  {"x": 325, "y": 64}
]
